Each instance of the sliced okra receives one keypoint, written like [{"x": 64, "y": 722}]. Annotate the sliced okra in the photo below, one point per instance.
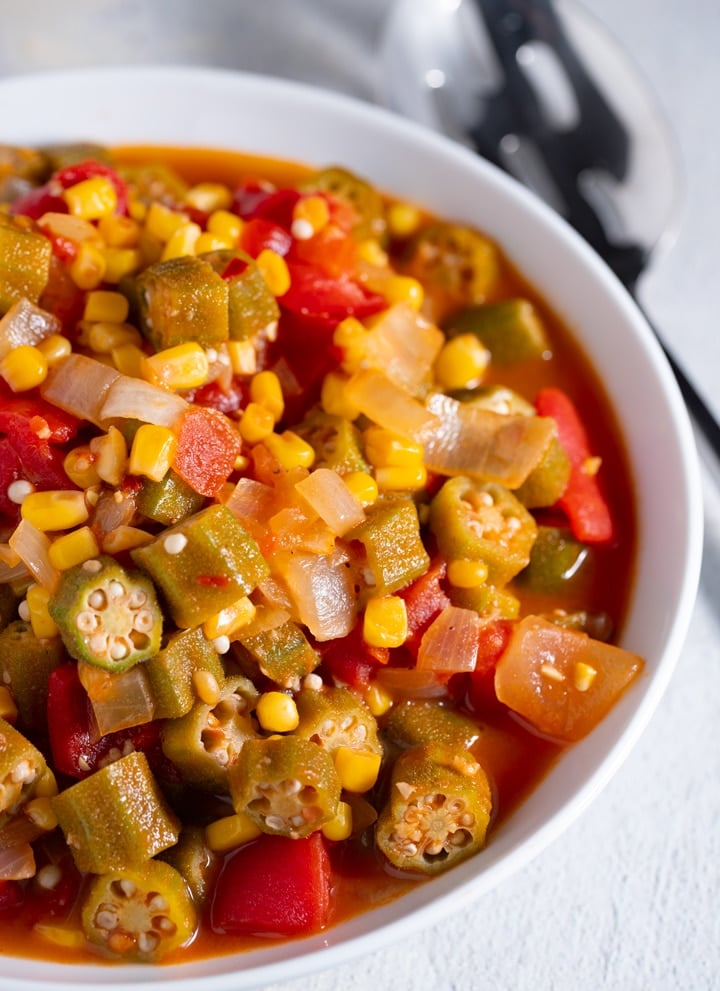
[
  {"x": 438, "y": 810},
  {"x": 21, "y": 768},
  {"x": 172, "y": 671},
  {"x": 287, "y": 785},
  {"x": 335, "y": 717},
  {"x": 395, "y": 553},
  {"x": 107, "y": 615},
  {"x": 206, "y": 742},
  {"x": 416, "y": 721},
  {"x": 139, "y": 914},
  {"x": 511, "y": 330},
  {"x": 284, "y": 654},
  {"x": 117, "y": 817},
  {"x": 25, "y": 665}
]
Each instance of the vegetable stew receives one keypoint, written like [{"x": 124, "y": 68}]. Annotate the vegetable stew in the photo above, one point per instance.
[{"x": 316, "y": 538}]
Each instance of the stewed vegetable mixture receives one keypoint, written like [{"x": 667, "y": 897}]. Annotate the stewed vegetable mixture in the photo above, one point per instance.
[{"x": 316, "y": 532}]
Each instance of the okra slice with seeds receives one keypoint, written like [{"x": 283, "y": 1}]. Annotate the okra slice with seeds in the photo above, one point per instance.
[
  {"x": 438, "y": 810},
  {"x": 107, "y": 615},
  {"x": 206, "y": 742},
  {"x": 141, "y": 914},
  {"x": 25, "y": 665},
  {"x": 287, "y": 785},
  {"x": 21, "y": 768},
  {"x": 395, "y": 553},
  {"x": 283, "y": 653},
  {"x": 336, "y": 717},
  {"x": 117, "y": 817},
  {"x": 416, "y": 721},
  {"x": 174, "y": 672}
]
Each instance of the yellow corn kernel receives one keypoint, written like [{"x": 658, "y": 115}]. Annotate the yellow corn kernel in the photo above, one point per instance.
[
  {"x": 583, "y": 676},
  {"x": 184, "y": 366},
  {"x": 92, "y": 198},
  {"x": 243, "y": 357},
  {"x": 403, "y": 219},
  {"x": 256, "y": 424},
  {"x": 137, "y": 209},
  {"x": 125, "y": 538},
  {"x": 87, "y": 269},
  {"x": 378, "y": 700},
  {"x": 161, "y": 222},
  {"x": 340, "y": 826},
  {"x": 290, "y": 450},
  {"x": 229, "y": 619},
  {"x": 55, "y": 509},
  {"x": 128, "y": 359},
  {"x": 231, "y": 831},
  {"x": 118, "y": 231},
  {"x": 226, "y": 225},
  {"x": 64, "y": 936},
  {"x": 385, "y": 448},
  {"x": 79, "y": 466},
  {"x": 277, "y": 712},
  {"x": 103, "y": 338},
  {"x": 363, "y": 487},
  {"x": 211, "y": 242},
  {"x": 73, "y": 548},
  {"x": 333, "y": 396},
  {"x": 310, "y": 215},
  {"x": 371, "y": 251},
  {"x": 357, "y": 769},
  {"x": 110, "y": 451},
  {"x": 350, "y": 336},
  {"x": 120, "y": 262},
  {"x": 24, "y": 368},
  {"x": 404, "y": 289},
  {"x": 209, "y": 196},
  {"x": 182, "y": 242},
  {"x": 42, "y": 623},
  {"x": 40, "y": 813},
  {"x": 385, "y": 621},
  {"x": 461, "y": 363},
  {"x": 274, "y": 270},
  {"x": 265, "y": 390},
  {"x": 467, "y": 574},
  {"x": 54, "y": 348},
  {"x": 8, "y": 709},
  {"x": 106, "y": 307},
  {"x": 152, "y": 452},
  {"x": 394, "y": 478}
]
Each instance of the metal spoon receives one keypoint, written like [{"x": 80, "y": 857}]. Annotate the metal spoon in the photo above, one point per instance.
[{"x": 533, "y": 86}]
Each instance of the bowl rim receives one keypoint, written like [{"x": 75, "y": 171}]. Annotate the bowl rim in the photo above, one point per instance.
[{"x": 381, "y": 927}]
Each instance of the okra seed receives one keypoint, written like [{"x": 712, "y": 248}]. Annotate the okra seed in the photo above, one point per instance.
[
  {"x": 18, "y": 490},
  {"x": 156, "y": 902},
  {"x": 174, "y": 543},
  {"x": 24, "y": 611},
  {"x": 92, "y": 566},
  {"x": 49, "y": 876},
  {"x": 137, "y": 598},
  {"x": 98, "y": 644},
  {"x": 166, "y": 926},
  {"x": 116, "y": 590},
  {"x": 86, "y": 621},
  {"x": 143, "y": 621},
  {"x": 97, "y": 600},
  {"x": 148, "y": 942},
  {"x": 119, "y": 650},
  {"x": 22, "y": 773},
  {"x": 106, "y": 918},
  {"x": 275, "y": 822}
]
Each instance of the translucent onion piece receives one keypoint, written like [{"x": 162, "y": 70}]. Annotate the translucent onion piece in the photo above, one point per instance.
[
  {"x": 252, "y": 503},
  {"x": 31, "y": 546},
  {"x": 118, "y": 700},
  {"x": 389, "y": 405},
  {"x": 404, "y": 346},
  {"x": 323, "y": 592},
  {"x": 79, "y": 385},
  {"x": 326, "y": 493},
  {"x": 17, "y": 862},
  {"x": 25, "y": 323},
  {"x": 466, "y": 440},
  {"x": 450, "y": 643},
  {"x": 13, "y": 572},
  {"x": 410, "y": 683},
  {"x": 133, "y": 399}
]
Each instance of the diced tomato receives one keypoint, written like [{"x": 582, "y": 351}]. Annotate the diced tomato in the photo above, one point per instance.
[
  {"x": 260, "y": 234},
  {"x": 583, "y": 501},
  {"x": 332, "y": 250},
  {"x": 228, "y": 400},
  {"x": 42, "y": 417},
  {"x": 48, "y": 198},
  {"x": 76, "y": 748},
  {"x": 424, "y": 599},
  {"x": 207, "y": 448},
  {"x": 492, "y": 641},
  {"x": 274, "y": 886},
  {"x": 350, "y": 661},
  {"x": 328, "y": 300},
  {"x": 11, "y": 895}
]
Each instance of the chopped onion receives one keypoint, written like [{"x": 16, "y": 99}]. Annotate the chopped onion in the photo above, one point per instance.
[
  {"x": 118, "y": 700},
  {"x": 25, "y": 323},
  {"x": 17, "y": 862},
  {"x": 450, "y": 643},
  {"x": 252, "y": 503},
  {"x": 129, "y": 398},
  {"x": 326, "y": 493},
  {"x": 31, "y": 546},
  {"x": 468, "y": 440},
  {"x": 79, "y": 385},
  {"x": 389, "y": 405},
  {"x": 10, "y": 572},
  {"x": 403, "y": 345},
  {"x": 410, "y": 683},
  {"x": 322, "y": 588}
]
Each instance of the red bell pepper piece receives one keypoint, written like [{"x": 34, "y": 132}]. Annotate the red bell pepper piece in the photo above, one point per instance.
[
  {"x": 350, "y": 661},
  {"x": 76, "y": 748},
  {"x": 274, "y": 886},
  {"x": 48, "y": 198},
  {"x": 425, "y": 599},
  {"x": 207, "y": 448},
  {"x": 253, "y": 199},
  {"x": 328, "y": 300},
  {"x": 583, "y": 501},
  {"x": 260, "y": 234}
]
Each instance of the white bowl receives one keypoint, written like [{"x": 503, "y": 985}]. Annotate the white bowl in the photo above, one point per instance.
[{"x": 208, "y": 108}]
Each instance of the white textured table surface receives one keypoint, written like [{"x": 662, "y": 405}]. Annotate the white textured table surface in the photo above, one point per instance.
[{"x": 629, "y": 897}]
